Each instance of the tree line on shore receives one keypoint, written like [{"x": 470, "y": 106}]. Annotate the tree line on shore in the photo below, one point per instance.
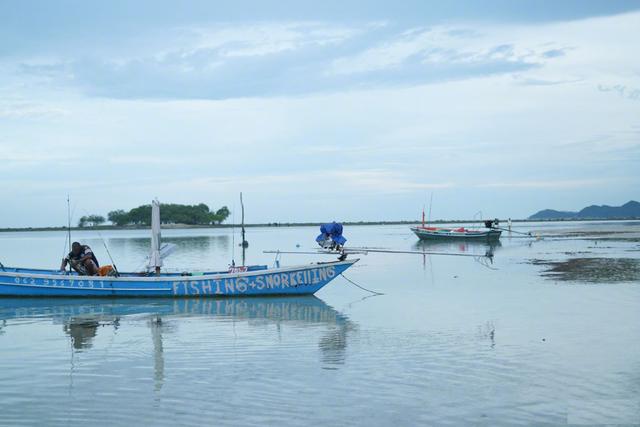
[{"x": 170, "y": 213}]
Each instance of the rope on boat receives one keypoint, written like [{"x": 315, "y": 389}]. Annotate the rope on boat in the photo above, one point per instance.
[
  {"x": 2, "y": 266},
  {"x": 361, "y": 287},
  {"x": 528, "y": 234}
]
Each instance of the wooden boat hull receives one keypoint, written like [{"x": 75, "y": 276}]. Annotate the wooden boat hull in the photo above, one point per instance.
[
  {"x": 453, "y": 234},
  {"x": 298, "y": 280}
]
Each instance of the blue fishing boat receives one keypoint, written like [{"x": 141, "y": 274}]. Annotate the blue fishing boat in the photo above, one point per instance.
[
  {"x": 236, "y": 281},
  {"x": 254, "y": 280}
]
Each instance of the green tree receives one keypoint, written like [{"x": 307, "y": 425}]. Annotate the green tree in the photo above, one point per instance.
[
  {"x": 222, "y": 214},
  {"x": 118, "y": 217},
  {"x": 91, "y": 220},
  {"x": 141, "y": 215}
]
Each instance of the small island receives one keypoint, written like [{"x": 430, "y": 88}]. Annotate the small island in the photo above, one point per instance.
[
  {"x": 629, "y": 210},
  {"x": 172, "y": 213}
]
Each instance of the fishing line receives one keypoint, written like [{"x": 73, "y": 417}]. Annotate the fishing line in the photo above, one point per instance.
[{"x": 361, "y": 287}]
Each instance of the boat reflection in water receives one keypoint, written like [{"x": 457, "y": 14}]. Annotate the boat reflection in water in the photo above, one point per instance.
[
  {"x": 483, "y": 250},
  {"x": 84, "y": 319},
  {"x": 471, "y": 247}
]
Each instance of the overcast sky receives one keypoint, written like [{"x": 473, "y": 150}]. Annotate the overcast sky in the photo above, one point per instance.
[{"x": 318, "y": 110}]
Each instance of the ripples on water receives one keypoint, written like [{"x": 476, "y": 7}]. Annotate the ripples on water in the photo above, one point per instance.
[{"x": 451, "y": 341}]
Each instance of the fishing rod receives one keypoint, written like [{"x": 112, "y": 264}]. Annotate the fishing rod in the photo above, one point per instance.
[
  {"x": 69, "y": 221},
  {"x": 113, "y": 263}
]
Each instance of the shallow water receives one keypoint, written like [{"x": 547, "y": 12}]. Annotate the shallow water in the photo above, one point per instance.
[{"x": 453, "y": 340}]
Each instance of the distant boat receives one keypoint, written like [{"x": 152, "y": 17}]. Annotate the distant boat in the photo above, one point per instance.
[
  {"x": 438, "y": 233},
  {"x": 236, "y": 281},
  {"x": 491, "y": 233}
]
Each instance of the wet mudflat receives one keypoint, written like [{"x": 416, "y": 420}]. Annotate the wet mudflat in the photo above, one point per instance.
[
  {"x": 593, "y": 270},
  {"x": 603, "y": 254},
  {"x": 546, "y": 333}
]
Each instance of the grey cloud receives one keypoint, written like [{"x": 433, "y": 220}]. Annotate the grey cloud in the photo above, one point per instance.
[
  {"x": 554, "y": 53},
  {"x": 622, "y": 90},
  {"x": 217, "y": 71}
]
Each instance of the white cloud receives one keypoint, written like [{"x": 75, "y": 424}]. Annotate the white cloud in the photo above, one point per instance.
[
  {"x": 29, "y": 110},
  {"x": 318, "y": 182},
  {"x": 266, "y": 39},
  {"x": 561, "y": 184}
]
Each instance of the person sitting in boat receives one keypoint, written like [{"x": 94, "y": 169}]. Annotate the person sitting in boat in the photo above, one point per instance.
[
  {"x": 82, "y": 260},
  {"x": 331, "y": 237},
  {"x": 492, "y": 223}
]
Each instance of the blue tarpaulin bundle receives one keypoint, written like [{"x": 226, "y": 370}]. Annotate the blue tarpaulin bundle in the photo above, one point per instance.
[{"x": 332, "y": 231}]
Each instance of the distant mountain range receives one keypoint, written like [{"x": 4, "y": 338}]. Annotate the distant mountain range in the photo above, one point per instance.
[{"x": 630, "y": 209}]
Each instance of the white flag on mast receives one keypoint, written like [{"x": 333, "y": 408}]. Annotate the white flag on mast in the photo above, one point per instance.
[{"x": 155, "y": 259}]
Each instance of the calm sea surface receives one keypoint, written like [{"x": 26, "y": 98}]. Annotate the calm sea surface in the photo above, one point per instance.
[{"x": 453, "y": 340}]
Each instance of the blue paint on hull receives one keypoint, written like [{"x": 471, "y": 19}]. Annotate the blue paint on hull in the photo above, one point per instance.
[{"x": 300, "y": 280}]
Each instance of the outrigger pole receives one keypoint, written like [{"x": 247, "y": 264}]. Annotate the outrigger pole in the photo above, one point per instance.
[{"x": 365, "y": 251}]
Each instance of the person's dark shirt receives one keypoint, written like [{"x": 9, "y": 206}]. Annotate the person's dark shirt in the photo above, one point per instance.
[{"x": 84, "y": 251}]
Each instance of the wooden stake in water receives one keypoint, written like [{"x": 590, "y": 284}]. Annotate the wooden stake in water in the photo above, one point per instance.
[{"x": 245, "y": 244}]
